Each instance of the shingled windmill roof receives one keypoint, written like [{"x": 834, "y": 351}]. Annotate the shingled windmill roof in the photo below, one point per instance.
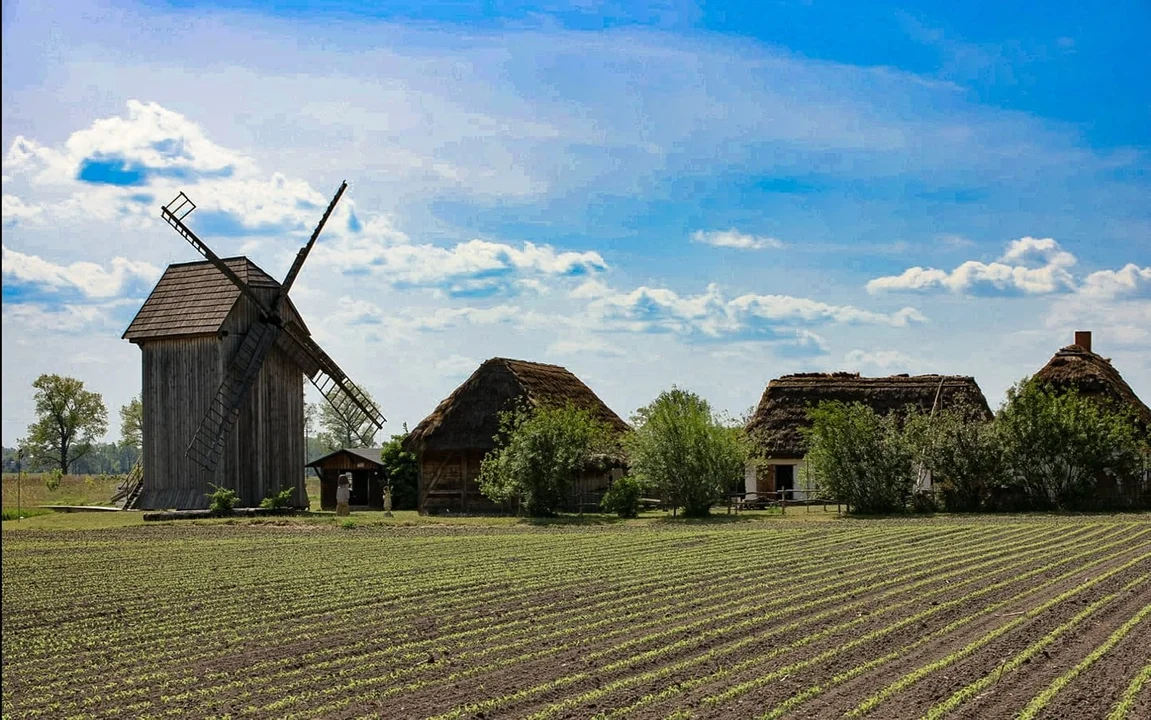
[
  {"x": 469, "y": 417},
  {"x": 782, "y": 410},
  {"x": 195, "y": 298},
  {"x": 1094, "y": 376}
]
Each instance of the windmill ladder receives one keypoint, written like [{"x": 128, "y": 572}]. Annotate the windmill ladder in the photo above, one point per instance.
[{"x": 208, "y": 443}]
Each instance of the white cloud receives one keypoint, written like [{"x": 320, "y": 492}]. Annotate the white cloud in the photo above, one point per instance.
[
  {"x": 735, "y": 239},
  {"x": 93, "y": 280},
  {"x": 711, "y": 314},
  {"x": 886, "y": 362},
  {"x": 588, "y": 345},
  {"x": 65, "y": 319},
  {"x": 1013, "y": 272},
  {"x": 16, "y": 210},
  {"x": 120, "y": 169},
  {"x": 1130, "y": 280},
  {"x": 476, "y": 266},
  {"x": 456, "y": 365},
  {"x": 150, "y": 140}
]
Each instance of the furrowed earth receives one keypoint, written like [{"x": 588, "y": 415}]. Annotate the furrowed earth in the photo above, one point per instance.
[{"x": 1034, "y": 617}]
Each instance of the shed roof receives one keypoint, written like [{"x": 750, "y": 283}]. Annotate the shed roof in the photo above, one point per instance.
[
  {"x": 782, "y": 410},
  {"x": 372, "y": 455},
  {"x": 468, "y": 418},
  {"x": 1094, "y": 376},
  {"x": 195, "y": 298}
]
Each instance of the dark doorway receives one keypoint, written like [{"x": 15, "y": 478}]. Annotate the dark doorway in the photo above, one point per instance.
[
  {"x": 359, "y": 488},
  {"x": 785, "y": 480}
]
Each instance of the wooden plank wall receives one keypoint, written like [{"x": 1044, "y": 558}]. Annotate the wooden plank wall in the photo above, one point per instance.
[
  {"x": 179, "y": 380},
  {"x": 266, "y": 450}
]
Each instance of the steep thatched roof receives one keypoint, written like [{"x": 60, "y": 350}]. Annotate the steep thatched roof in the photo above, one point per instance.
[
  {"x": 1094, "y": 376},
  {"x": 782, "y": 410},
  {"x": 469, "y": 417}
]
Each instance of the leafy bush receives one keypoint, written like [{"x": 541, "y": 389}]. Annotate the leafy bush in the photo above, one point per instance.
[
  {"x": 623, "y": 497},
  {"x": 401, "y": 471},
  {"x": 1058, "y": 445},
  {"x": 540, "y": 452},
  {"x": 686, "y": 453},
  {"x": 860, "y": 457},
  {"x": 963, "y": 452},
  {"x": 223, "y": 500},
  {"x": 347, "y": 524},
  {"x": 277, "y": 501},
  {"x": 52, "y": 479}
]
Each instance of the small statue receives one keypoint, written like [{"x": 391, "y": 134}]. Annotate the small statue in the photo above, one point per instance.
[{"x": 388, "y": 500}]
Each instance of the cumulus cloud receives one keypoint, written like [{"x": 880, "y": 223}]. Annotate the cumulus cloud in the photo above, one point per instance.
[
  {"x": 711, "y": 314},
  {"x": 150, "y": 142},
  {"x": 476, "y": 267},
  {"x": 1131, "y": 280},
  {"x": 1030, "y": 266},
  {"x": 121, "y": 169},
  {"x": 735, "y": 239},
  {"x": 91, "y": 279}
]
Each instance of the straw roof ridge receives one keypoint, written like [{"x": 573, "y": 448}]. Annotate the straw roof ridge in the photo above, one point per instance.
[
  {"x": 468, "y": 418},
  {"x": 782, "y": 409},
  {"x": 1094, "y": 376}
]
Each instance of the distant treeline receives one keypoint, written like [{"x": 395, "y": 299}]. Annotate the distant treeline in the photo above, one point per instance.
[{"x": 109, "y": 458}]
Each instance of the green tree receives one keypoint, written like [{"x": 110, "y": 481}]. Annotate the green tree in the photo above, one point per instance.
[
  {"x": 860, "y": 456},
  {"x": 1057, "y": 445},
  {"x": 962, "y": 450},
  {"x": 402, "y": 471},
  {"x": 686, "y": 453},
  {"x": 69, "y": 418},
  {"x": 336, "y": 431},
  {"x": 539, "y": 453},
  {"x": 132, "y": 423}
]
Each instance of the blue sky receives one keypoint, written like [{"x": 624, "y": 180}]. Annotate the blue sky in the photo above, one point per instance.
[{"x": 647, "y": 193}]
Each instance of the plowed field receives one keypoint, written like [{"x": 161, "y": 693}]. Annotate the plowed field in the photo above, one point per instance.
[{"x": 981, "y": 618}]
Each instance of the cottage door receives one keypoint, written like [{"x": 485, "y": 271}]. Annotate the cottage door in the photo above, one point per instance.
[{"x": 785, "y": 480}]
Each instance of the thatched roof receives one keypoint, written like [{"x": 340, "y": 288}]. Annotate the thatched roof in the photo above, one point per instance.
[
  {"x": 195, "y": 298},
  {"x": 1093, "y": 376},
  {"x": 469, "y": 417},
  {"x": 782, "y": 410}
]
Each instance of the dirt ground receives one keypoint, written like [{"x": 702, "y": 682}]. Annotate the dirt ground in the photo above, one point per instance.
[{"x": 946, "y": 617}]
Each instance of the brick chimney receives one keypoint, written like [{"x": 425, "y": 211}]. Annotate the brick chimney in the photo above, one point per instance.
[{"x": 1083, "y": 339}]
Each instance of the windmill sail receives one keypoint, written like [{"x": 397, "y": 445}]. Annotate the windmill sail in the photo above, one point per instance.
[
  {"x": 346, "y": 398},
  {"x": 353, "y": 405}
]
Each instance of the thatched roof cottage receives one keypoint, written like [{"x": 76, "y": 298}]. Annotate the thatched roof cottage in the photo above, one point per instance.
[
  {"x": 452, "y": 442},
  {"x": 1076, "y": 366},
  {"x": 782, "y": 413}
]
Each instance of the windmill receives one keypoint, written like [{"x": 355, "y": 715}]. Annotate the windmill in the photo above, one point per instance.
[{"x": 224, "y": 346}]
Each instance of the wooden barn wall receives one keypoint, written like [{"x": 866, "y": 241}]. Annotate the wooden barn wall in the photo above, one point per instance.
[
  {"x": 265, "y": 452},
  {"x": 180, "y": 377},
  {"x": 449, "y": 480}
]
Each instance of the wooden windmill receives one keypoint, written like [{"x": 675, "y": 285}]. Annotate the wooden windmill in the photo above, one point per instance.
[{"x": 224, "y": 356}]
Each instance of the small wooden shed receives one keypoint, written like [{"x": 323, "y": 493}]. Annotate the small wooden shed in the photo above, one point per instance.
[
  {"x": 451, "y": 443},
  {"x": 782, "y": 414},
  {"x": 367, "y": 477}
]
